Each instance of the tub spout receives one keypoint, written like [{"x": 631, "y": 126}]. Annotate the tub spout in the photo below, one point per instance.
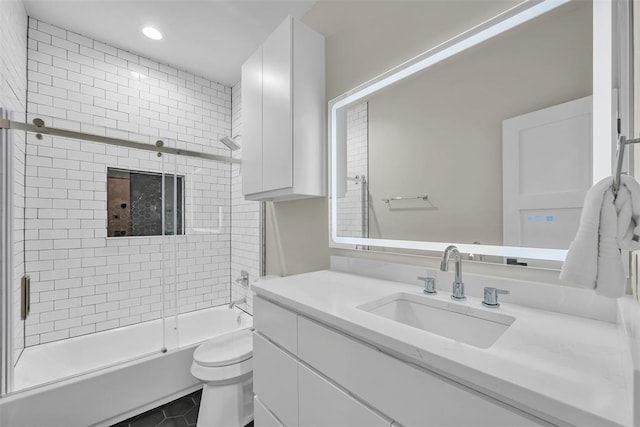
[{"x": 242, "y": 300}]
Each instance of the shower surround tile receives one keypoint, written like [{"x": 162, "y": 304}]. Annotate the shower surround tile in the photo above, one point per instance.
[
  {"x": 245, "y": 221},
  {"x": 83, "y": 281},
  {"x": 353, "y": 207}
]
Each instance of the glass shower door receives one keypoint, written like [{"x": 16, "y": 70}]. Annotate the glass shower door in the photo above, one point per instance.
[
  {"x": 12, "y": 148},
  {"x": 205, "y": 252},
  {"x": 92, "y": 257},
  {"x": 172, "y": 234},
  {"x": 127, "y": 250}
]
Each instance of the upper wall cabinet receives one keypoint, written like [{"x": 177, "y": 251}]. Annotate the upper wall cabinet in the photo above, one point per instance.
[{"x": 283, "y": 116}]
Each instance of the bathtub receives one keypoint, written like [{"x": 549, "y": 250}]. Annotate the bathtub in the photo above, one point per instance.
[{"x": 103, "y": 378}]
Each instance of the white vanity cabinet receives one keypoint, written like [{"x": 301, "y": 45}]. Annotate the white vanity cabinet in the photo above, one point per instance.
[
  {"x": 308, "y": 374},
  {"x": 410, "y": 395},
  {"x": 283, "y": 116},
  {"x": 288, "y": 392},
  {"x": 275, "y": 375},
  {"x": 322, "y": 403}
]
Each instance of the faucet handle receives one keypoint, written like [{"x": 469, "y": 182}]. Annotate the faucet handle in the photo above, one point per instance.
[
  {"x": 491, "y": 296},
  {"x": 244, "y": 278},
  {"x": 429, "y": 285}
]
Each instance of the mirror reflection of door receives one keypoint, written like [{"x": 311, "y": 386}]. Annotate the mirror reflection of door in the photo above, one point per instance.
[{"x": 547, "y": 170}]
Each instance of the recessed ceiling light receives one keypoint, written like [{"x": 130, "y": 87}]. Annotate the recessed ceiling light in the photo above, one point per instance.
[{"x": 152, "y": 33}]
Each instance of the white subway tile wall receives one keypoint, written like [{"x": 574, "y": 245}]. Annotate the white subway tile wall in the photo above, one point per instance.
[
  {"x": 353, "y": 208},
  {"x": 245, "y": 221},
  {"x": 13, "y": 98},
  {"x": 82, "y": 281}
]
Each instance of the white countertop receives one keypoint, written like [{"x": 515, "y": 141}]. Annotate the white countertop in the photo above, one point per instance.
[{"x": 565, "y": 369}]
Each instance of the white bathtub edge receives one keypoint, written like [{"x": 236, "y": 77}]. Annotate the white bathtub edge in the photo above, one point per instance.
[
  {"x": 98, "y": 398},
  {"x": 105, "y": 396}
]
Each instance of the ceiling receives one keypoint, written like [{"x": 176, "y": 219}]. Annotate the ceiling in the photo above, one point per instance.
[{"x": 209, "y": 38}]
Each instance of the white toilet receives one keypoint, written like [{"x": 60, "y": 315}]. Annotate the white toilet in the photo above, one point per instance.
[{"x": 224, "y": 364}]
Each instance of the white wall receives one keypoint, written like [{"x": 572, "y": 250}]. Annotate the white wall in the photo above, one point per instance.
[
  {"x": 82, "y": 281},
  {"x": 13, "y": 98}
]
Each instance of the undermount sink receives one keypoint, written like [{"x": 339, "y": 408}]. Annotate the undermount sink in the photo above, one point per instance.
[{"x": 477, "y": 327}]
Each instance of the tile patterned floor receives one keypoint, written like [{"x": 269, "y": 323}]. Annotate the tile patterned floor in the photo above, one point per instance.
[{"x": 182, "y": 412}]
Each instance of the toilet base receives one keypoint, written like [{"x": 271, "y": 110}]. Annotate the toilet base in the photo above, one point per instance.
[{"x": 229, "y": 405}]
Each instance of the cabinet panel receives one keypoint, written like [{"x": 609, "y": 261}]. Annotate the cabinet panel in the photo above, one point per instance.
[
  {"x": 262, "y": 416},
  {"x": 277, "y": 136},
  {"x": 275, "y": 380},
  {"x": 251, "y": 95},
  {"x": 278, "y": 324},
  {"x": 324, "y": 405},
  {"x": 407, "y": 394},
  {"x": 288, "y": 132},
  {"x": 309, "y": 109}
]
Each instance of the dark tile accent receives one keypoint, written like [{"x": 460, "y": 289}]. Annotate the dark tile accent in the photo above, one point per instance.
[
  {"x": 148, "y": 205},
  {"x": 174, "y": 422},
  {"x": 192, "y": 415},
  {"x": 149, "y": 419},
  {"x": 179, "y": 407},
  {"x": 182, "y": 412}
]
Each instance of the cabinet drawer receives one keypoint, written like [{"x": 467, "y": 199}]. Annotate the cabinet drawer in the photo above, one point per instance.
[
  {"x": 407, "y": 394},
  {"x": 322, "y": 404},
  {"x": 277, "y": 323},
  {"x": 262, "y": 416},
  {"x": 275, "y": 380}
]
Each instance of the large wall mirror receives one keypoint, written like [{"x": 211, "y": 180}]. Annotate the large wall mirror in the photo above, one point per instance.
[{"x": 484, "y": 142}]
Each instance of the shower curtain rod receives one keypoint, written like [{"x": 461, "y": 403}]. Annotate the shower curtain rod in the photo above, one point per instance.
[{"x": 39, "y": 128}]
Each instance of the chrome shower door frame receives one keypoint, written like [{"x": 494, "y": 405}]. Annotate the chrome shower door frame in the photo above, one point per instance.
[{"x": 6, "y": 258}]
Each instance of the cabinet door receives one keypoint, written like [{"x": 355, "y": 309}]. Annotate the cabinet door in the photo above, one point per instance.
[
  {"x": 322, "y": 404},
  {"x": 251, "y": 95},
  {"x": 275, "y": 380},
  {"x": 277, "y": 133}
]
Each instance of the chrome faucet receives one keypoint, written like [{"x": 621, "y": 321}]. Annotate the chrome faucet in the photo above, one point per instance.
[
  {"x": 491, "y": 297},
  {"x": 242, "y": 300},
  {"x": 458, "y": 286},
  {"x": 244, "y": 278}
]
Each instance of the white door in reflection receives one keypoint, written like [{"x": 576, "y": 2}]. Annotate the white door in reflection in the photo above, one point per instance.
[{"x": 547, "y": 170}]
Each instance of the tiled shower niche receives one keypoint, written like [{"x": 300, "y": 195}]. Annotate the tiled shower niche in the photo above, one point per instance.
[{"x": 141, "y": 203}]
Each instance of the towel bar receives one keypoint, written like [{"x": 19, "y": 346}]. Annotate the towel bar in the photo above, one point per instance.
[
  {"x": 390, "y": 199},
  {"x": 622, "y": 143}
]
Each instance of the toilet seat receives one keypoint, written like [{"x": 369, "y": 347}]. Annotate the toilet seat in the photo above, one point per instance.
[{"x": 226, "y": 349}]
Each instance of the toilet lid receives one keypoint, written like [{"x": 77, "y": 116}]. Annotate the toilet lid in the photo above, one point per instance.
[{"x": 225, "y": 349}]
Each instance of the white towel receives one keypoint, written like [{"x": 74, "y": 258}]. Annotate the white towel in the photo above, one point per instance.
[{"x": 609, "y": 227}]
